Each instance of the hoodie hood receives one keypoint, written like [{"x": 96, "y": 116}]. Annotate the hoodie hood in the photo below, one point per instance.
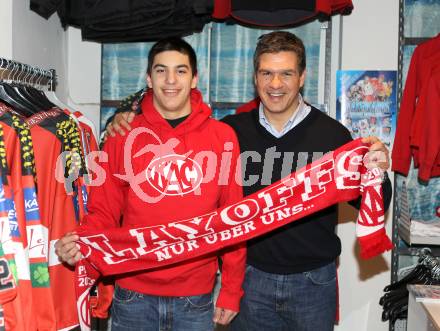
[{"x": 200, "y": 113}]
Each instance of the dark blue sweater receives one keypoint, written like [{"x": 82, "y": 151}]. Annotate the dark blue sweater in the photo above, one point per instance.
[{"x": 308, "y": 243}]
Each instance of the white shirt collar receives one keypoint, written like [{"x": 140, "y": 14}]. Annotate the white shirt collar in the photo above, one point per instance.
[{"x": 300, "y": 113}]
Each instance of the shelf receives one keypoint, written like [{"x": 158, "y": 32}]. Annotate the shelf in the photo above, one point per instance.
[
  {"x": 414, "y": 250},
  {"x": 414, "y": 40}
]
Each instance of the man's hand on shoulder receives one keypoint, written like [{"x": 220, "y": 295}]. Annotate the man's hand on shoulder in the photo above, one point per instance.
[
  {"x": 378, "y": 155},
  {"x": 120, "y": 124}
]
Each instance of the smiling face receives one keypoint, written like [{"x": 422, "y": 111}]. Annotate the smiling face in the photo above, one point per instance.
[
  {"x": 171, "y": 79},
  {"x": 278, "y": 80}
]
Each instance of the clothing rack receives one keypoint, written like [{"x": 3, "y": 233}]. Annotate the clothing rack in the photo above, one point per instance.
[
  {"x": 13, "y": 71},
  {"x": 430, "y": 261}
]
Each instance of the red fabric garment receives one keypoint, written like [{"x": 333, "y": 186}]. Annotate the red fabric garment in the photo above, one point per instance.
[
  {"x": 336, "y": 177},
  {"x": 255, "y": 103},
  {"x": 101, "y": 303},
  {"x": 50, "y": 131},
  {"x": 425, "y": 136},
  {"x": 222, "y": 9},
  {"x": 45, "y": 299},
  {"x": 89, "y": 127},
  {"x": 333, "y": 7},
  {"x": 273, "y": 14},
  {"x": 9, "y": 290},
  {"x": 262, "y": 14},
  {"x": 36, "y": 233},
  {"x": 192, "y": 190},
  {"x": 20, "y": 312},
  {"x": 425, "y": 58}
]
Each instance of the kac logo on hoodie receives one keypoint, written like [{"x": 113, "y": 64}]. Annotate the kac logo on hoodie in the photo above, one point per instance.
[{"x": 174, "y": 174}]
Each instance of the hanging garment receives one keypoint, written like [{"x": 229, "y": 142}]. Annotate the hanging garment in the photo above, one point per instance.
[
  {"x": 279, "y": 13},
  {"x": 54, "y": 133},
  {"x": 333, "y": 7},
  {"x": 128, "y": 21},
  {"x": 41, "y": 198},
  {"x": 88, "y": 126},
  {"x": 36, "y": 232},
  {"x": 9, "y": 276},
  {"x": 88, "y": 141},
  {"x": 412, "y": 117},
  {"x": 45, "y": 8},
  {"x": 9, "y": 288},
  {"x": 425, "y": 129},
  {"x": 80, "y": 12},
  {"x": 253, "y": 104},
  {"x": 19, "y": 313},
  {"x": 101, "y": 302},
  {"x": 341, "y": 176},
  {"x": 180, "y": 21}
]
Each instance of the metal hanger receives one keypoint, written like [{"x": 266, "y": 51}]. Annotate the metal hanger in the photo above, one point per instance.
[
  {"x": 5, "y": 92},
  {"x": 35, "y": 93},
  {"x": 52, "y": 97},
  {"x": 18, "y": 85},
  {"x": 395, "y": 301},
  {"x": 11, "y": 96}
]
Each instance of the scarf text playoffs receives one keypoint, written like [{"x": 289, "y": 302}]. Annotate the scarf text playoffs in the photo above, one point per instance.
[{"x": 338, "y": 176}]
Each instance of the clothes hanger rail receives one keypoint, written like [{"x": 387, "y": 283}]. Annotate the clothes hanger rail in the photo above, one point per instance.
[{"x": 13, "y": 71}]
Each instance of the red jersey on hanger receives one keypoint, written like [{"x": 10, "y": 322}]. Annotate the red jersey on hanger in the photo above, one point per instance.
[
  {"x": 409, "y": 131},
  {"x": 51, "y": 132},
  {"x": 19, "y": 313}
]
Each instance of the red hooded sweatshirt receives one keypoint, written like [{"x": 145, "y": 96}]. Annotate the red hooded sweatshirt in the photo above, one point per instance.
[{"x": 179, "y": 173}]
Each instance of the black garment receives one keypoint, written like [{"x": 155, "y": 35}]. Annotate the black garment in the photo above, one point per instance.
[
  {"x": 121, "y": 14},
  {"x": 275, "y": 13},
  {"x": 45, "y": 8},
  {"x": 126, "y": 105},
  {"x": 186, "y": 17},
  {"x": 175, "y": 122},
  {"x": 128, "y": 21},
  {"x": 311, "y": 242}
]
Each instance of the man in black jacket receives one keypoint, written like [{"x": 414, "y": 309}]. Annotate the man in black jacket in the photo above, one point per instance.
[{"x": 290, "y": 281}]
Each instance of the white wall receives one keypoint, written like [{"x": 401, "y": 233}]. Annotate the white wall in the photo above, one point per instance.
[
  {"x": 370, "y": 35},
  {"x": 6, "y": 29},
  {"x": 37, "y": 41},
  {"x": 369, "y": 41},
  {"x": 28, "y": 38},
  {"x": 84, "y": 75}
]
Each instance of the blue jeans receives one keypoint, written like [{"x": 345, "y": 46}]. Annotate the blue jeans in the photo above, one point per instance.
[
  {"x": 296, "y": 302},
  {"x": 132, "y": 311}
]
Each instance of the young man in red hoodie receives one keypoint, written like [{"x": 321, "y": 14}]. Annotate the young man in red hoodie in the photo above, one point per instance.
[{"x": 167, "y": 151}]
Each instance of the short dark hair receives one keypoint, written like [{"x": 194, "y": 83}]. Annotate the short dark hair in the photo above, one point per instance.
[
  {"x": 173, "y": 44},
  {"x": 280, "y": 41}
]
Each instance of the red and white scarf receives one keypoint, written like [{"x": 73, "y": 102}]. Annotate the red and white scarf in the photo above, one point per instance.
[{"x": 338, "y": 176}]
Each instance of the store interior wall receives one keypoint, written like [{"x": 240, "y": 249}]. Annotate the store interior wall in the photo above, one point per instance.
[
  {"x": 369, "y": 41},
  {"x": 6, "y": 29},
  {"x": 38, "y": 42},
  {"x": 84, "y": 75},
  {"x": 28, "y": 38}
]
